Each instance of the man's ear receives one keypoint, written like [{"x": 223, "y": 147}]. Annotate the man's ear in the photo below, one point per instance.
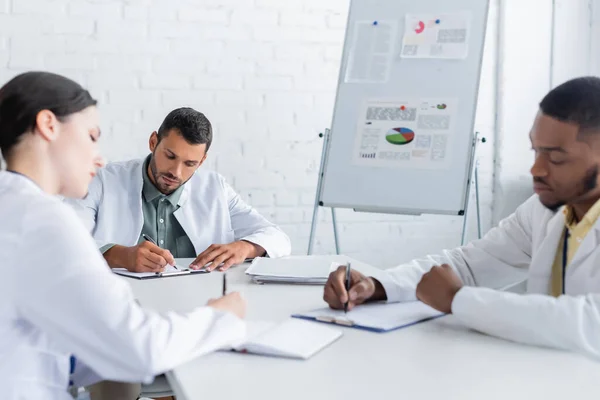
[
  {"x": 46, "y": 124},
  {"x": 153, "y": 142}
]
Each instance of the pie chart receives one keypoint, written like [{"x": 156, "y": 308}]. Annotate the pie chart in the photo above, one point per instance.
[
  {"x": 400, "y": 136},
  {"x": 420, "y": 27}
]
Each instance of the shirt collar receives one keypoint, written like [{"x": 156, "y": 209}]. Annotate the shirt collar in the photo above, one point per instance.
[
  {"x": 589, "y": 218},
  {"x": 151, "y": 192},
  {"x": 22, "y": 178},
  {"x": 25, "y": 177}
]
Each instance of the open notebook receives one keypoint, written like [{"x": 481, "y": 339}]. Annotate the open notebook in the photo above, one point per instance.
[
  {"x": 292, "y": 338},
  {"x": 181, "y": 268},
  {"x": 376, "y": 317}
]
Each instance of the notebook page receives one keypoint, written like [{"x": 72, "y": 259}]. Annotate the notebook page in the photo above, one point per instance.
[
  {"x": 123, "y": 271},
  {"x": 169, "y": 268},
  {"x": 294, "y": 338},
  {"x": 253, "y": 330}
]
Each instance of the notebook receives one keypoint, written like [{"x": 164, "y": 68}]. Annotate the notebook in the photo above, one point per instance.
[
  {"x": 182, "y": 265},
  {"x": 376, "y": 317},
  {"x": 313, "y": 270},
  {"x": 292, "y": 338}
]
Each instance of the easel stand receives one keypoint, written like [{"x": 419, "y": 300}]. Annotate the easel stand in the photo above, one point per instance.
[{"x": 318, "y": 203}]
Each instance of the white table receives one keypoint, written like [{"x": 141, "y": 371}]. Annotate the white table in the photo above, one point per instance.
[{"x": 433, "y": 360}]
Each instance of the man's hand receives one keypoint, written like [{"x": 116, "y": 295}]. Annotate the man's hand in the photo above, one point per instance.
[
  {"x": 438, "y": 288},
  {"x": 233, "y": 303},
  {"x": 145, "y": 257},
  {"x": 362, "y": 289},
  {"x": 227, "y": 254}
]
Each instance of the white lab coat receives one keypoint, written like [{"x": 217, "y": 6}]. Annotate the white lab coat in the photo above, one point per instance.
[
  {"x": 210, "y": 211},
  {"x": 58, "y": 297},
  {"x": 523, "y": 245}
]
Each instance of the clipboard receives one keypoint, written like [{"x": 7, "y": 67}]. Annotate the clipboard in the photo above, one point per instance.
[
  {"x": 376, "y": 317},
  {"x": 169, "y": 273},
  {"x": 156, "y": 275},
  {"x": 351, "y": 324}
]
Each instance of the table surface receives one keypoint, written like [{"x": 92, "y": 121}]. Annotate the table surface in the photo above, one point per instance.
[{"x": 432, "y": 360}]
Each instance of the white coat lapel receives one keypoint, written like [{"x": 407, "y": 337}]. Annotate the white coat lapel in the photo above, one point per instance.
[
  {"x": 204, "y": 213},
  {"x": 541, "y": 264},
  {"x": 183, "y": 213},
  {"x": 137, "y": 182},
  {"x": 186, "y": 216}
]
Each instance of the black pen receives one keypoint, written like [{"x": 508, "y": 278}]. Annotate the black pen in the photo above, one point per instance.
[
  {"x": 347, "y": 287},
  {"x": 149, "y": 239},
  {"x": 224, "y": 283}
]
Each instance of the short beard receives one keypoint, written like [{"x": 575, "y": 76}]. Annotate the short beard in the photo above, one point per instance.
[
  {"x": 588, "y": 183},
  {"x": 153, "y": 169},
  {"x": 155, "y": 176}
]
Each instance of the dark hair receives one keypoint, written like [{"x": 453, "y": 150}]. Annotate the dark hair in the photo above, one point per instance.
[
  {"x": 23, "y": 97},
  {"x": 576, "y": 101},
  {"x": 191, "y": 124}
]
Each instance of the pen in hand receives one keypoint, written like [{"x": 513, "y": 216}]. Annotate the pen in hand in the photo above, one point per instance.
[
  {"x": 224, "y": 283},
  {"x": 347, "y": 287},
  {"x": 149, "y": 239}
]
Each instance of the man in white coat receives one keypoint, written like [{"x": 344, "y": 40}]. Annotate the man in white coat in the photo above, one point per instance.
[
  {"x": 555, "y": 235},
  {"x": 144, "y": 213}
]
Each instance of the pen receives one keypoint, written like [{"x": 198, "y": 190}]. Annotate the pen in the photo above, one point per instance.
[
  {"x": 347, "y": 286},
  {"x": 149, "y": 239},
  {"x": 224, "y": 283}
]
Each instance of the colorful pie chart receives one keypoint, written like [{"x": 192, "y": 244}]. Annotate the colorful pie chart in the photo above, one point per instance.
[
  {"x": 420, "y": 27},
  {"x": 400, "y": 136}
]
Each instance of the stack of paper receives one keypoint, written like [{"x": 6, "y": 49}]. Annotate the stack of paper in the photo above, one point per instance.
[
  {"x": 302, "y": 270},
  {"x": 290, "y": 339}
]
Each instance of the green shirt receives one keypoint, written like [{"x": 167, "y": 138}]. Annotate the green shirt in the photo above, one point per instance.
[{"x": 159, "y": 220}]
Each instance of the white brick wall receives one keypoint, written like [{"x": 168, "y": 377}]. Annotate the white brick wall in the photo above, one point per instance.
[
  {"x": 572, "y": 55},
  {"x": 595, "y": 39},
  {"x": 263, "y": 71},
  {"x": 524, "y": 44}
]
